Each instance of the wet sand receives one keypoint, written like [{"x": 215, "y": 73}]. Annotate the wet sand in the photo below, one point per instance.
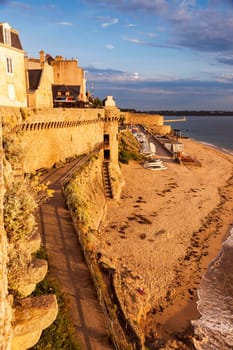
[{"x": 163, "y": 233}]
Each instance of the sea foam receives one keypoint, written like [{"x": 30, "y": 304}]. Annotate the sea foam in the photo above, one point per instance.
[{"x": 214, "y": 329}]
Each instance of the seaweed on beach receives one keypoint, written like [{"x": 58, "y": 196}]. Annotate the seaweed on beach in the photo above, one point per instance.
[
  {"x": 140, "y": 200},
  {"x": 140, "y": 219},
  {"x": 159, "y": 233}
]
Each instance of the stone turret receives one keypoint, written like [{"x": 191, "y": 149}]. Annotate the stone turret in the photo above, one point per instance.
[
  {"x": 112, "y": 115},
  {"x": 109, "y": 101}
]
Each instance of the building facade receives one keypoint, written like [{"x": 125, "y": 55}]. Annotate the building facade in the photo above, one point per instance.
[
  {"x": 39, "y": 79},
  {"x": 37, "y": 82},
  {"x": 12, "y": 71},
  {"x": 69, "y": 86}
]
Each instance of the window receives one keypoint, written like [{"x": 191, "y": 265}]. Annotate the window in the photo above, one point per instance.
[
  {"x": 9, "y": 66},
  {"x": 11, "y": 92},
  {"x": 6, "y": 34},
  {"x": 106, "y": 139}
]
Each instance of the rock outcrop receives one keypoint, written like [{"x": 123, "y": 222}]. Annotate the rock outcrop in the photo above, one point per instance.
[{"x": 32, "y": 315}]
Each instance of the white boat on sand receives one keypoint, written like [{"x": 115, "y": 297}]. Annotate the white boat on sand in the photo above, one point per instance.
[
  {"x": 150, "y": 163},
  {"x": 156, "y": 167}
]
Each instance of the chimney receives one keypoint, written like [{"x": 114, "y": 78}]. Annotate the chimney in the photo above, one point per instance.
[{"x": 42, "y": 57}]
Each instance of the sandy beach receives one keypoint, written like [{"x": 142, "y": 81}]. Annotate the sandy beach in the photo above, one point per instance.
[{"x": 163, "y": 233}]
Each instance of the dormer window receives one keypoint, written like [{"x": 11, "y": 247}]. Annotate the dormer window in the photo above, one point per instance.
[{"x": 7, "y": 34}]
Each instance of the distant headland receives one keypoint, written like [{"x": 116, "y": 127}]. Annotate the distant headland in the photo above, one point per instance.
[{"x": 183, "y": 112}]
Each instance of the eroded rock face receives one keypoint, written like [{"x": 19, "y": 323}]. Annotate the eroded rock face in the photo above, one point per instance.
[
  {"x": 36, "y": 272},
  {"x": 32, "y": 315}
]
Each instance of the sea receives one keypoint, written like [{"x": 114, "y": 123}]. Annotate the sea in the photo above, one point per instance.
[
  {"x": 217, "y": 131},
  {"x": 214, "y": 329}
]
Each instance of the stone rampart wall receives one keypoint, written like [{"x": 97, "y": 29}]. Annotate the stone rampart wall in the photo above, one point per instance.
[
  {"x": 52, "y": 135},
  {"x": 153, "y": 121},
  {"x": 143, "y": 118},
  {"x": 44, "y": 145}
]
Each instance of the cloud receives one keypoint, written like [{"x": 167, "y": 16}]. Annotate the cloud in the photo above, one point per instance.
[
  {"x": 107, "y": 74},
  {"x": 201, "y": 28},
  {"x": 109, "y": 22},
  {"x": 162, "y": 92},
  {"x": 109, "y": 46},
  {"x": 150, "y": 43},
  {"x": 17, "y": 4},
  {"x": 225, "y": 78},
  {"x": 179, "y": 94},
  {"x": 135, "y": 41},
  {"x": 227, "y": 59},
  {"x": 64, "y": 23},
  {"x": 155, "y": 6},
  {"x": 205, "y": 31},
  {"x": 136, "y": 75},
  {"x": 152, "y": 35}
]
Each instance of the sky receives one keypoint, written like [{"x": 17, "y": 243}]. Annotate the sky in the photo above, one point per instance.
[{"x": 147, "y": 54}]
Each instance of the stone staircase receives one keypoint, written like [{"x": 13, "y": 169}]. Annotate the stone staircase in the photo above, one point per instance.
[{"x": 106, "y": 180}]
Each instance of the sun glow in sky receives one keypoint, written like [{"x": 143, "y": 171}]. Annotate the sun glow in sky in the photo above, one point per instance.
[{"x": 148, "y": 54}]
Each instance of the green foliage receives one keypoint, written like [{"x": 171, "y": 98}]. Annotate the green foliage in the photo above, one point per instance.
[
  {"x": 19, "y": 207},
  {"x": 19, "y": 258},
  {"x": 41, "y": 254},
  {"x": 96, "y": 102},
  {"x": 12, "y": 142},
  {"x": 129, "y": 148},
  {"x": 124, "y": 157},
  {"x": 60, "y": 335},
  {"x": 20, "y": 201},
  {"x": 76, "y": 203}
]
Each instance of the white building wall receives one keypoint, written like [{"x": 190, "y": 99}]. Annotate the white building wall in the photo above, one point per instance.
[{"x": 12, "y": 73}]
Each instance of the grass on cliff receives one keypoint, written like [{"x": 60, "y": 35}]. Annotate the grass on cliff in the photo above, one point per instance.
[
  {"x": 129, "y": 148},
  {"x": 76, "y": 201},
  {"x": 60, "y": 334}
]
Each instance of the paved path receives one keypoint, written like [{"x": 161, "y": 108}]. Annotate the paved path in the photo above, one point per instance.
[{"x": 67, "y": 264}]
